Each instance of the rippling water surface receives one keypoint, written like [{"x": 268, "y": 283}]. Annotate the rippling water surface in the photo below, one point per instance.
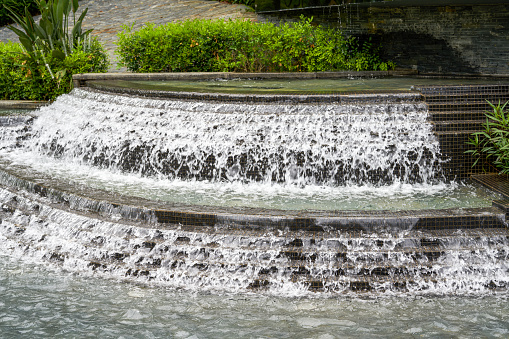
[{"x": 38, "y": 303}]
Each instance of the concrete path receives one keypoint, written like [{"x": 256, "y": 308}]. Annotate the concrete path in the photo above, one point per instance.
[{"x": 106, "y": 17}]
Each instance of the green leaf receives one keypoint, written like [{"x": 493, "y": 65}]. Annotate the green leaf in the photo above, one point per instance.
[
  {"x": 27, "y": 43},
  {"x": 75, "y": 5},
  {"x": 60, "y": 74},
  {"x": 67, "y": 7},
  {"x": 82, "y": 16},
  {"x": 58, "y": 54},
  {"x": 76, "y": 31}
]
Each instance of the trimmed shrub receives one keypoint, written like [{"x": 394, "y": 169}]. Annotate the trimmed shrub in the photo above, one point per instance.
[
  {"x": 22, "y": 78},
  {"x": 243, "y": 46},
  {"x": 18, "y": 6}
]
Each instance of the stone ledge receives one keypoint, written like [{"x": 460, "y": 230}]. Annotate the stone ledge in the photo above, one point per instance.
[
  {"x": 347, "y": 98},
  {"x": 158, "y": 214},
  {"x": 80, "y": 80},
  {"x": 22, "y": 104}
]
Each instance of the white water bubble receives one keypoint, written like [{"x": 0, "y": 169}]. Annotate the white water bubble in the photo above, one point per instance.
[
  {"x": 413, "y": 330},
  {"x": 133, "y": 314}
]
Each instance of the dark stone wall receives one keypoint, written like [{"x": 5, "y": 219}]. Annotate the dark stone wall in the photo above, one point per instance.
[{"x": 430, "y": 39}]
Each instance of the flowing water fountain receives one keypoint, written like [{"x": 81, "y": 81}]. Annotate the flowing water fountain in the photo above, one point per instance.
[{"x": 309, "y": 193}]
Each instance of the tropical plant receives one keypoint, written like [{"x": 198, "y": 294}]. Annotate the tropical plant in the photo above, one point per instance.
[
  {"x": 52, "y": 35},
  {"x": 493, "y": 142},
  {"x": 49, "y": 53},
  {"x": 23, "y": 79}
]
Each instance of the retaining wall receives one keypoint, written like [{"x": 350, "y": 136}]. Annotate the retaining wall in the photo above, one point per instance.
[{"x": 470, "y": 38}]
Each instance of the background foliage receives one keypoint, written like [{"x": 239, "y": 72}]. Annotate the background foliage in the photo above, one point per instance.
[
  {"x": 19, "y": 8},
  {"x": 21, "y": 78},
  {"x": 243, "y": 46}
]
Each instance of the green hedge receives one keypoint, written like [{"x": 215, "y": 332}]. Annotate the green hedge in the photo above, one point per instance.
[
  {"x": 17, "y": 6},
  {"x": 22, "y": 79},
  {"x": 243, "y": 46}
]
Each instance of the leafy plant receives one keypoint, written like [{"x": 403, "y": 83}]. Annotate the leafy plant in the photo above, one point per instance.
[
  {"x": 493, "y": 141},
  {"x": 41, "y": 67},
  {"x": 23, "y": 79},
  {"x": 52, "y": 34},
  {"x": 243, "y": 46}
]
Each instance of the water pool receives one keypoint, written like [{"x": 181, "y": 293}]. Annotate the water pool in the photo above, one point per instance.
[
  {"x": 41, "y": 302},
  {"x": 293, "y": 86}
]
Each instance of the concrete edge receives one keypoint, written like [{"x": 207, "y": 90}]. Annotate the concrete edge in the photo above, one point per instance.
[
  {"x": 156, "y": 213},
  {"x": 22, "y": 104},
  {"x": 347, "y": 98},
  {"x": 80, "y": 80}
]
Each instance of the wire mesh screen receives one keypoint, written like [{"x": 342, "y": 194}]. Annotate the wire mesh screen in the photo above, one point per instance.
[{"x": 457, "y": 112}]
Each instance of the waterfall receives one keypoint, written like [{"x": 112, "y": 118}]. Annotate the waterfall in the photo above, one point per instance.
[
  {"x": 314, "y": 144},
  {"x": 281, "y": 262},
  {"x": 72, "y": 180}
]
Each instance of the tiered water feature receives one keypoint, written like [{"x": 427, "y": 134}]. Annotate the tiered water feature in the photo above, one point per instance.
[{"x": 308, "y": 194}]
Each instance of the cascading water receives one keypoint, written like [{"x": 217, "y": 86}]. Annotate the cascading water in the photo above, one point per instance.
[
  {"x": 301, "y": 144},
  {"x": 289, "y": 148}
]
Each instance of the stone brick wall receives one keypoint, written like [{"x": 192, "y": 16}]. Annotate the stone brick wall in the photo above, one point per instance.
[{"x": 430, "y": 39}]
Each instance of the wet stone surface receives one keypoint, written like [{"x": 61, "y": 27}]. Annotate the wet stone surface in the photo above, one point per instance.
[{"x": 156, "y": 213}]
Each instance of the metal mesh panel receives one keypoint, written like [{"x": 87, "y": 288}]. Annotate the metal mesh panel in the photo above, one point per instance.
[{"x": 457, "y": 112}]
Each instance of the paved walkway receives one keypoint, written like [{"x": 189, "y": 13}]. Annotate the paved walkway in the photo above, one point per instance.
[{"x": 106, "y": 17}]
